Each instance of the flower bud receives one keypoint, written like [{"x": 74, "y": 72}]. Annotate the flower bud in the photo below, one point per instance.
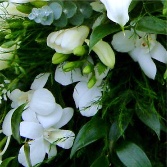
[
  {"x": 80, "y": 51},
  {"x": 87, "y": 69},
  {"x": 91, "y": 82},
  {"x": 24, "y": 8},
  {"x": 59, "y": 58},
  {"x": 165, "y": 75},
  {"x": 71, "y": 65}
]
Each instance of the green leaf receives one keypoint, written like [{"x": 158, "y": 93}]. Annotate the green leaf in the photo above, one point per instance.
[
  {"x": 62, "y": 21},
  {"x": 89, "y": 133},
  {"x": 86, "y": 9},
  {"x": 101, "y": 161},
  {"x": 101, "y": 32},
  {"x": 27, "y": 154},
  {"x": 77, "y": 19},
  {"x": 132, "y": 156},
  {"x": 15, "y": 122},
  {"x": 152, "y": 24},
  {"x": 6, "y": 162},
  {"x": 57, "y": 10},
  {"x": 150, "y": 117}
]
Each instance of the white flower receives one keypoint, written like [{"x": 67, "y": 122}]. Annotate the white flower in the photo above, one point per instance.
[
  {"x": 44, "y": 140},
  {"x": 142, "y": 48},
  {"x": 117, "y": 10},
  {"x": 65, "y": 41},
  {"x": 86, "y": 99},
  {"x": 8, "y": 9}
]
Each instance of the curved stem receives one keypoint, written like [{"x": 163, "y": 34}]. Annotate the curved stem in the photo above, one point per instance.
[{"x": 6, "y": 146}]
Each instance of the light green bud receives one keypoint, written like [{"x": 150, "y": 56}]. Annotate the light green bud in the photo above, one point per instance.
[
  {"x": 87, "y": 69},
  {"x": 59, "y": 58},
  {"x": 91, "y": 82},
  {"x": 165, "y": 75},
  {"x": 38, "y": 4},
  {"x": 80, "y": 50},
  {"x": 71, "y": 65},
  {"x": 24, "y": 8}
]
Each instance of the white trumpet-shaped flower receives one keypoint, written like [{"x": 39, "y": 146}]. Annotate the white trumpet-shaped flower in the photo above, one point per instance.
[
  {"x": 117, "y": 10},
  {"x": 142, "y": 47}
]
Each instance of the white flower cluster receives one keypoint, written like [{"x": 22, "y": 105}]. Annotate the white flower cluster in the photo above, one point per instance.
[{"x": 42, "y": 120}]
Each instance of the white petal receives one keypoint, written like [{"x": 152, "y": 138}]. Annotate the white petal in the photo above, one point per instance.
[
  {"x": 37, "y": 152},
  {"x": 123, "y": 42},
  {"x": 65, "y": 118},
  {"x": 62, "y": 138},
  {"x": 159, "y": 53},
  {"x": 51, "y": 149},
  {"x": 31, "y": 130},
  {"x": 85, "y": 97},
  {"x": 29, "y": 115},
  {"x": 90, "y": 111},
  {"x": 145, "y": 62},
  {"x": 42, "y": 102},
  {"x": 51, "y": 119},
  {"x": 6, "y": 126},
  {"x": 117, "y": 11},
  {"x": 40, "y": 81},
  {"x": 66, "y": 78}
]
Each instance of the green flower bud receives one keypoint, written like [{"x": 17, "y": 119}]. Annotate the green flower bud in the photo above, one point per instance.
[
  {"x": 88, "y": 69},
  {"x": 38, "y": 4},
  {"x": 80, "y": 50},
  {"x": 59, "y": 58},
  {"x": 165, "y": 75},
  {"x": 91, "y": 82},
  {"x": 71, "y": 65},
  {"x": 24, "y": 8}
]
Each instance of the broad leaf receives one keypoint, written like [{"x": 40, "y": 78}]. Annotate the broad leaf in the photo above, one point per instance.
[
  {"x": 133, "y": 156},
  {"x": 15, "y": 122},
  {"x": 6, "y": 162},
  {"x": 101, "y": 161},
  {"x": 152, "y": 24},
  {"x": 101, "y": 32},
  {"x": 150, "y": 118},
  {"x": 89, "y": 133}
]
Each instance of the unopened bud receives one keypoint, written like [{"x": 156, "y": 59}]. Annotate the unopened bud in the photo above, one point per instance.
[
  {"x": 24, "y": 8},
  {"x": 38, "y": 4},
  {"x": 71, "y": 65},
  {"x": 91, "y": 82},
  {"x": 80, "y": 50},
  {"x": 59, "y": 58},
  {"x": 88, "y": 69},
  {"x": 165, "y": 75}
]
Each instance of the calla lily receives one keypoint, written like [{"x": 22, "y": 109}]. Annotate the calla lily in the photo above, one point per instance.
[
  {"x": 117, "y": 10},
  {"x": 65, "y": 41},
  {"x": 142, "y": 47}
]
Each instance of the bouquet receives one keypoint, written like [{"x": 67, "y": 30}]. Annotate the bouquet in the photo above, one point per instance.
[{"x": 83, "y": 83}]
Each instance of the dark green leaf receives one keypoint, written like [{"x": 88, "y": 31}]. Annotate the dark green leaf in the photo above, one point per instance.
[
  {"x": 152, "y": 24},
  {"x": 150, "y": 118},
  {"x": 62, "y": 21},
  {"x": 85, "y": 9},
  {"x": 6, "y": 162},
  {"x": 102, "y": 161},
  {"x": 77, "y": 19},
  {"x": 15, "y": 122},
  {"x": 133, "y": 156},
  {"x": 89, "y": 133},
  {"x": 27, "y": 154},
  {"x": 69, "y": 9},
  {"x": 101, "y": 32}
]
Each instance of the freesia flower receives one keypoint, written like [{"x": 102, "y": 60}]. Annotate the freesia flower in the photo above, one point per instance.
[
  {"x": 86, "y": 99},
  {"x": 117, "y": 10},
  {"x": 44, "y": 140},
  {"x": 142, "y": 47},
  {"x": 65, "y": 41}
]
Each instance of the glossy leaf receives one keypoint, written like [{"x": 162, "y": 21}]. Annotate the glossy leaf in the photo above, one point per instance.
[
  {"x": 89, "y": 133},
  {"x": 152, "y": 24},
  {"x": 5, "y": 163},
  {"x": 57, "y": 10},
  {"x": 15, "y": 122},
  {"x": 77, "y": 19},
  {"x": 132, "y": 155},
  {"x": 101, "y": 161},
  {"x": 101, "y": 32},
  {"x": 69, "y": 9},
  {"x": 150, "y": 118},
  {"x": 85, "y": 9}
]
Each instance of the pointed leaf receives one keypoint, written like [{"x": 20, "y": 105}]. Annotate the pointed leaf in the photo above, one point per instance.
[
  {"x": 101, "y": 32},
  {"x": 15, "y": 122},
  {"x": 101, "y": 161},
  {"x": 133, "y": 156},
  {"x": 152, "y": 24},
  {"x": 6, "y": 162},
  {"x": 89, "y": 133},
  {"x": 150, "y": 118}
]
